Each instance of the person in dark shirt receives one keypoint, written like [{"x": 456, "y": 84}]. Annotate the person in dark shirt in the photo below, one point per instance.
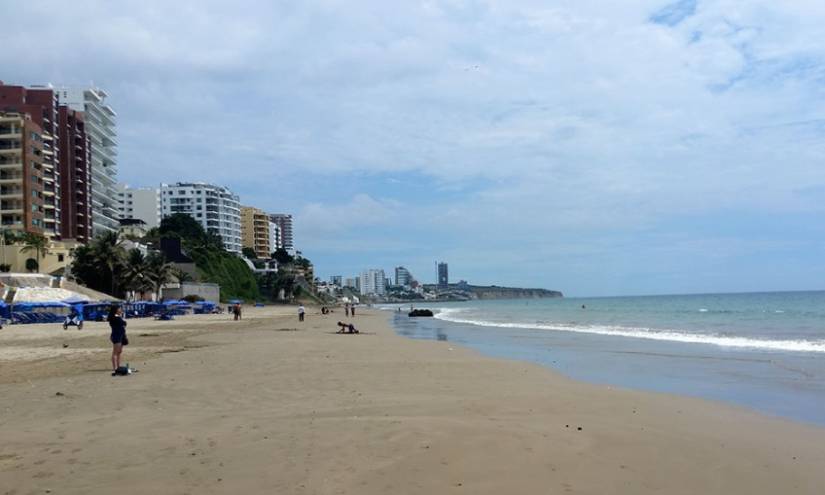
[{"x": 118, "y": 336}]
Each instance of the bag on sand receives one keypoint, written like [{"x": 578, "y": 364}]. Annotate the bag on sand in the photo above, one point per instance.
[{"x": 122, "y": 370}]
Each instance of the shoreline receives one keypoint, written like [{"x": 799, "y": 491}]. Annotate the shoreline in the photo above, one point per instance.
[{"x": 270, "y": 406}]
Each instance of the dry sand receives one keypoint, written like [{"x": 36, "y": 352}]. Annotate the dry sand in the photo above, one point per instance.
[{"x": 268, "y": 405}]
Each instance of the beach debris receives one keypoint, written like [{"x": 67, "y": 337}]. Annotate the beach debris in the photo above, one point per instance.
[
  {"x": 579, "y": 428},
  {"x": 567, "y": 426},
  {"x": 59, "y": 394},
  {"x": 65, "y": 345}
]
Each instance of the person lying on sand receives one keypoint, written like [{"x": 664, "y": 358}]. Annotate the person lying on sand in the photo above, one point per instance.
[{"x": 346, "y": 328}]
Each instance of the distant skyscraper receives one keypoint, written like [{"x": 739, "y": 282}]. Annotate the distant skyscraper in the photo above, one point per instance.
[
  {"x": 443, "y": 275},
  {"x": 373, "y": 281},
  {"x": 352, "y": 283},
  {"x": 402, "y": 276},
  {"x": 336, "y": 280},
  {"x": 284, "y": 223}
]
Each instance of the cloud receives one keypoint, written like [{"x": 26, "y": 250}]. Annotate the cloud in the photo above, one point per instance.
[{"x": 544, "y": 125}]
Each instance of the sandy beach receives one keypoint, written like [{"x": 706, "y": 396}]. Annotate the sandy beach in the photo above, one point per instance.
[{"x": 271, "y": 405}]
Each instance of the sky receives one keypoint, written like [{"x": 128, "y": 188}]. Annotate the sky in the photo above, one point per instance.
[{"x": 592, "y": 147}]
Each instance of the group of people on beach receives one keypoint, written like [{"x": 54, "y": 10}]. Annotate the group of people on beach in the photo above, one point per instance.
[
  {"x": 342, "y": 327},
  {"x": 117, "y": 324}
]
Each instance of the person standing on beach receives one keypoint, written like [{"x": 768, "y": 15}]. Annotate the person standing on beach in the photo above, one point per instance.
[
  {"x": 301, "y": 312},
  {"x": 346, "y": 308},
  {"x": 352, "y": 310},
  {"x": 118, "y": 336}
]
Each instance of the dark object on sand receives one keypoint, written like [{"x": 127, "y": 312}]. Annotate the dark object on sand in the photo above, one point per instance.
[
  {"x": 420, "y": 312},
  {"x": 347, "y": 328}
]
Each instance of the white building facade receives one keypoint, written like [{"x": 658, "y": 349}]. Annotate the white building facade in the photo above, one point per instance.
[
  {"x": 216, "y": 208},
  {"x": 275, "y": 236},
  {"x": 402, "y": 276},
  {"x": 284, "y": 222},
  {"x": 101, "y": 129},
  {"x": 373, "y": 281},
  {"x": 141, "y": 203}
]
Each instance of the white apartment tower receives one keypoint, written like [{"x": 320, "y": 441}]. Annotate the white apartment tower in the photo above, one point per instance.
[
  {"x": 101, "y": 130},
  {"x": 216, "y": 208},
  {"x": 284, "y": 223},
  {"x": 275, "y": 236},
  {"x": 140, "y": 203},
  {"x": 373, "y": 281}
]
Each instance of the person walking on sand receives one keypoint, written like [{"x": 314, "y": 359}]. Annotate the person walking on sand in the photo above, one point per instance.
[
  {"x": 346, "y": 308},
  {"x": 118, "y": 336},
  {"x": 352, "y": 310},
  {"x": 301, "y": 312}
]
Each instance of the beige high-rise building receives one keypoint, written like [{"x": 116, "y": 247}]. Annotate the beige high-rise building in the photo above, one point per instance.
[
  {"x": 255, "y": 231},
  {"x": 21, "y": 174}
]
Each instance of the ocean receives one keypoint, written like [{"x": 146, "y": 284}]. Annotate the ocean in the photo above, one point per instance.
[{"x": 765, "y": 351}]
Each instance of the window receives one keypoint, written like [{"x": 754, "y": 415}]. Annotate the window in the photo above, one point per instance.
[{"x": 60, "y": 257}]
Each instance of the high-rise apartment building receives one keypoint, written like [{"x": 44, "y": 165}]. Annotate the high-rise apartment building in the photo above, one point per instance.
[
  {"x": 41, "y": 105},
  {"x": 373, "y": 282},
  {"x": 336, "y": 280},
  {"x": 216, "y": 208},
  {"x": 21, "y": 173},
  {"x": 274, "y": 236},
  {"x": 402, "y": 276},
  {"x": 284, "y": 223},
  {"x": 255, "y": 231},
  {"x": 141, "y": 203},
  {"x": 101, "y": 129},
  {"x": 443, "y": 274},
  {"x": 75, "y": 176}
]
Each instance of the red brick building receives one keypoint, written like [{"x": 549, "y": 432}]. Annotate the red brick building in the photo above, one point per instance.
[{"x": 75, "y": 183}]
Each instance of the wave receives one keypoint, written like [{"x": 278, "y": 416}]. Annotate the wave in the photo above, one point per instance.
[{"x": 448, "y": 314}]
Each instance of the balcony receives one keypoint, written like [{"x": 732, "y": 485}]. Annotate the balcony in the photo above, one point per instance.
[{"x": 11, "y": 193}]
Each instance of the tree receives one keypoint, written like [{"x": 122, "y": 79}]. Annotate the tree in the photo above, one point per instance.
[
  {"x": 282, "y": 256},
  {"x": 32, "y": 265},
  {"x": 37, "y": 243},
  {"x": 158, "y": 271},
  {"x": 182, "y": 276},
  {"x": 10, "y": 236},
  {"x": 108, "y": 251},
  {"x": 134, "y": 277},
  {"x": 248, "y": 252}
]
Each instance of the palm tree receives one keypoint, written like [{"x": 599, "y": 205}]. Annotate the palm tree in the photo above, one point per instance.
[
  {"x": 135, "y": 271},
  {"x": 108, "y": 251},
  {"x": 181, "y": 275},
  {"x": 37, "y": 243},
  {"x": 158, "y": 271}
]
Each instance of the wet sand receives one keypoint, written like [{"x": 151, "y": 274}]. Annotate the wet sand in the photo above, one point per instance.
[{"x": 271, "y": 405}]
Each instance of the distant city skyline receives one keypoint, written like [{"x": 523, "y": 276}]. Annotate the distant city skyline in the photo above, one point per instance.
[{"x": 593, "y": 148}]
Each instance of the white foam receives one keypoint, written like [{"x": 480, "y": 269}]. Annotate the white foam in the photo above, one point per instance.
[{"x": 447, "y": 314}]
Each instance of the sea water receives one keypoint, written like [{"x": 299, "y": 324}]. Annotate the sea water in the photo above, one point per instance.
[{"x": 765, "y": 351}]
